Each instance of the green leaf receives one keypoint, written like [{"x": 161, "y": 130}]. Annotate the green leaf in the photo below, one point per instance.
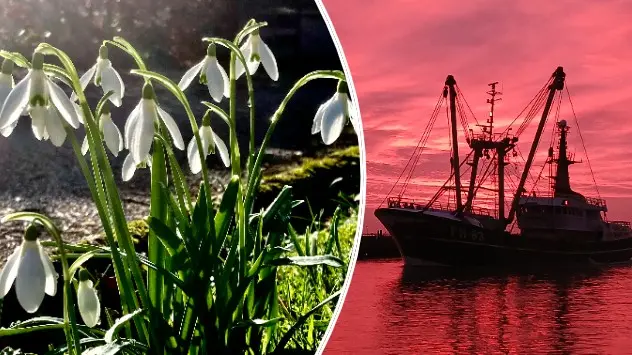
[
  {"x": 80, "y": 261},
  {"x": 223, "y": 218},
  {"x": 16, "y": 58},
  {"x": 169, "y": 239},
  {"x": 109, "y": 335},
  {"x": 329, "y": 260}
]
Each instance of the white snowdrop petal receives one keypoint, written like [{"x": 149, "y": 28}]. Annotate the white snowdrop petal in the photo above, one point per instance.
[
  {"x": 208, "y": 140},
  {"x": 143, "y": 133},
  {"x": 352, "y": 115},
  {"x": 190, "y": 74},
  {"x": 318, "y": 118},
  {"x": 84, "y": 146},
  {"x": 63, "y": 104},
  {"x": 49, "y": 270},
  {"x": 130, "y": 124},
  {"x": 38, "y": 121},
  {"x": 54, "y": 127},
  {"x": 269, "y": 61},
  {"x": 215, "y": 80},
  {"x": 246, "y": 51},
  {"x": 79, "y": 112},
  {"x": 111, "y": 135},
  {"x": 194, "y": 157},
  {"x": 88, "y": 303},
  {"x": 172, "y": 127},
  {"x": 9, "y": 129},
  {"x": 16, "y": 102},
  {"x": 111, "y": 81},
  {"x": 31, "y": 280},
  {"x": 4, "y": 93},
  {"x": 223, "y": 151},
  {"x": 129, "y": 168},
  {"x": 10, "y": 271},
  {"x": 225, "y": 79},
  {"x": 333, "y": 121},
  {"x": 84, "y": 80}
]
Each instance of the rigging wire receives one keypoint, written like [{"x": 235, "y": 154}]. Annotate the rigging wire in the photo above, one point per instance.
[
  {"x": 582, "y": 139},
  {"x": 419, "y": 143}
]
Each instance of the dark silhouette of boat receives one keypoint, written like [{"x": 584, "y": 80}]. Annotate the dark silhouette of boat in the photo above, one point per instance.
[{"x": 559, "y": 226}]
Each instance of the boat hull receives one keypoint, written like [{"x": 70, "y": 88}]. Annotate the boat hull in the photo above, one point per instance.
[{"x": 435, "y": 239}]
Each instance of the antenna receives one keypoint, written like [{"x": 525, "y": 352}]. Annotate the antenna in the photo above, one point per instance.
[{"x": 490, "y": 120}]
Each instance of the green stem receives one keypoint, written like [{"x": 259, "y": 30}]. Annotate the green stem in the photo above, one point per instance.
[
  {"x": 123, "y": 283},
  {"x": 254, "y": 178},
  {"x": 158, "y": 209},
  {"x": 19, "y": 331},
  {"x": 108, "y": 195},
  {"x": 70, "y": 321}
]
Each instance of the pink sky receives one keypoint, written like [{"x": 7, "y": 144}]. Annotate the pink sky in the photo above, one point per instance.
[{"x": 400, "y": 52}]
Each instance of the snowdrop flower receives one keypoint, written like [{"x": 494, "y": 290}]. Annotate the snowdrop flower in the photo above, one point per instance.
[
  {"x": 109, "y": 131},
  {"x": 210, "y": 140},
  {"x": 129, "y": 167},
  {"x": 256, "y": 51},
  {"x": 6, "y": 85},
  {"x": 332, "y": 116},
  {"x": 104, "y": 75},
  {"x": 87, "y": 299},
  {"x": 211, "y": 73},
  {"x": 32, "y": 271},
  {"x": 45, "y": 102},
  {"x": 140, "y": 126}
]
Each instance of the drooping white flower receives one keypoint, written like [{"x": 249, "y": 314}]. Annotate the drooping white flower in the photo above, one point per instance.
[
  {"x": 32, "y": 271},
  {"x": 210, "y": 141},
  {"x": 104, "y": 75},
  {"x": 109, "y": 133},
  {"x": 139, "y": 128},
  {"x": 44, "y": 100},
  {"x": 129, "y": 167},
  {"x": 211, "y": 73},
  {"x": 6, "y": 85},
  {"x": 332, "y": 116},
  {"x": 256, "y": 51},
  {"x": 88, "y": 300}
]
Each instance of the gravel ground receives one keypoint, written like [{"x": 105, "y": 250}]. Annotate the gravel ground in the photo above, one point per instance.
[{"x": 36, "y": 176}]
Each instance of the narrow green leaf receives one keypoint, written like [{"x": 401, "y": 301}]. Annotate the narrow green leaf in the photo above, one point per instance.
[
  {"x": 80, "y": 261},
  {"x": 111, "y": 333}
]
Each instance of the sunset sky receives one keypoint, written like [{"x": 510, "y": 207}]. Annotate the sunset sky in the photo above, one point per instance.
[{"x": 400, "y": 52}]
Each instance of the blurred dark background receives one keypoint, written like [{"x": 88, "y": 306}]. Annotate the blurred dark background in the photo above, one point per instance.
[{"x": 168, "y": 34}]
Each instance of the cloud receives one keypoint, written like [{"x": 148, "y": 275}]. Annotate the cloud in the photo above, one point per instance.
[{"x": 400, "y": 52}]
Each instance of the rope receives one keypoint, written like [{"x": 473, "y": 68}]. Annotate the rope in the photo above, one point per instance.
[
  {"x": 419, "y": 143},
  {"x": 582, "y": 139}
]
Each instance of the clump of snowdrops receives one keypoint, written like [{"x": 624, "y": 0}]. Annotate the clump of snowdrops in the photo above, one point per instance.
[{"x": 210, "y": 285}]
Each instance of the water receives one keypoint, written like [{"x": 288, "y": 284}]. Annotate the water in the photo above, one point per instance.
[{"x": 395, "y": 310}]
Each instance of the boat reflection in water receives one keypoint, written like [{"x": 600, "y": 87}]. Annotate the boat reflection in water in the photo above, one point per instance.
[{"x": 396, "y": 309}]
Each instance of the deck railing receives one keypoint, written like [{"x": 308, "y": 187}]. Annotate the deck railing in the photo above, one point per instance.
[{"x": 406, "y": 203}]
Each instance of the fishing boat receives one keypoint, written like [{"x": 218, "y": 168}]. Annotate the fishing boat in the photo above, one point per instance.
[{"x": 555, "y": 226}]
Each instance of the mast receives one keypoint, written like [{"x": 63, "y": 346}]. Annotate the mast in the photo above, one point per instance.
[
  {"x": 450, "y": 82},
  {"x": 557, "y": 84},
  {"x": 562, "y": 184},
  {"x": 484, "y": 142}
]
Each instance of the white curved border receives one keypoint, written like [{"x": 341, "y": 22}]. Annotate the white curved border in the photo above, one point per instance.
[{"x": 360, "y": 133}]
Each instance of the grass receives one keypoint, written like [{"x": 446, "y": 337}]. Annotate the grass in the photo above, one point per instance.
[{"x": 301, "y": 289}]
